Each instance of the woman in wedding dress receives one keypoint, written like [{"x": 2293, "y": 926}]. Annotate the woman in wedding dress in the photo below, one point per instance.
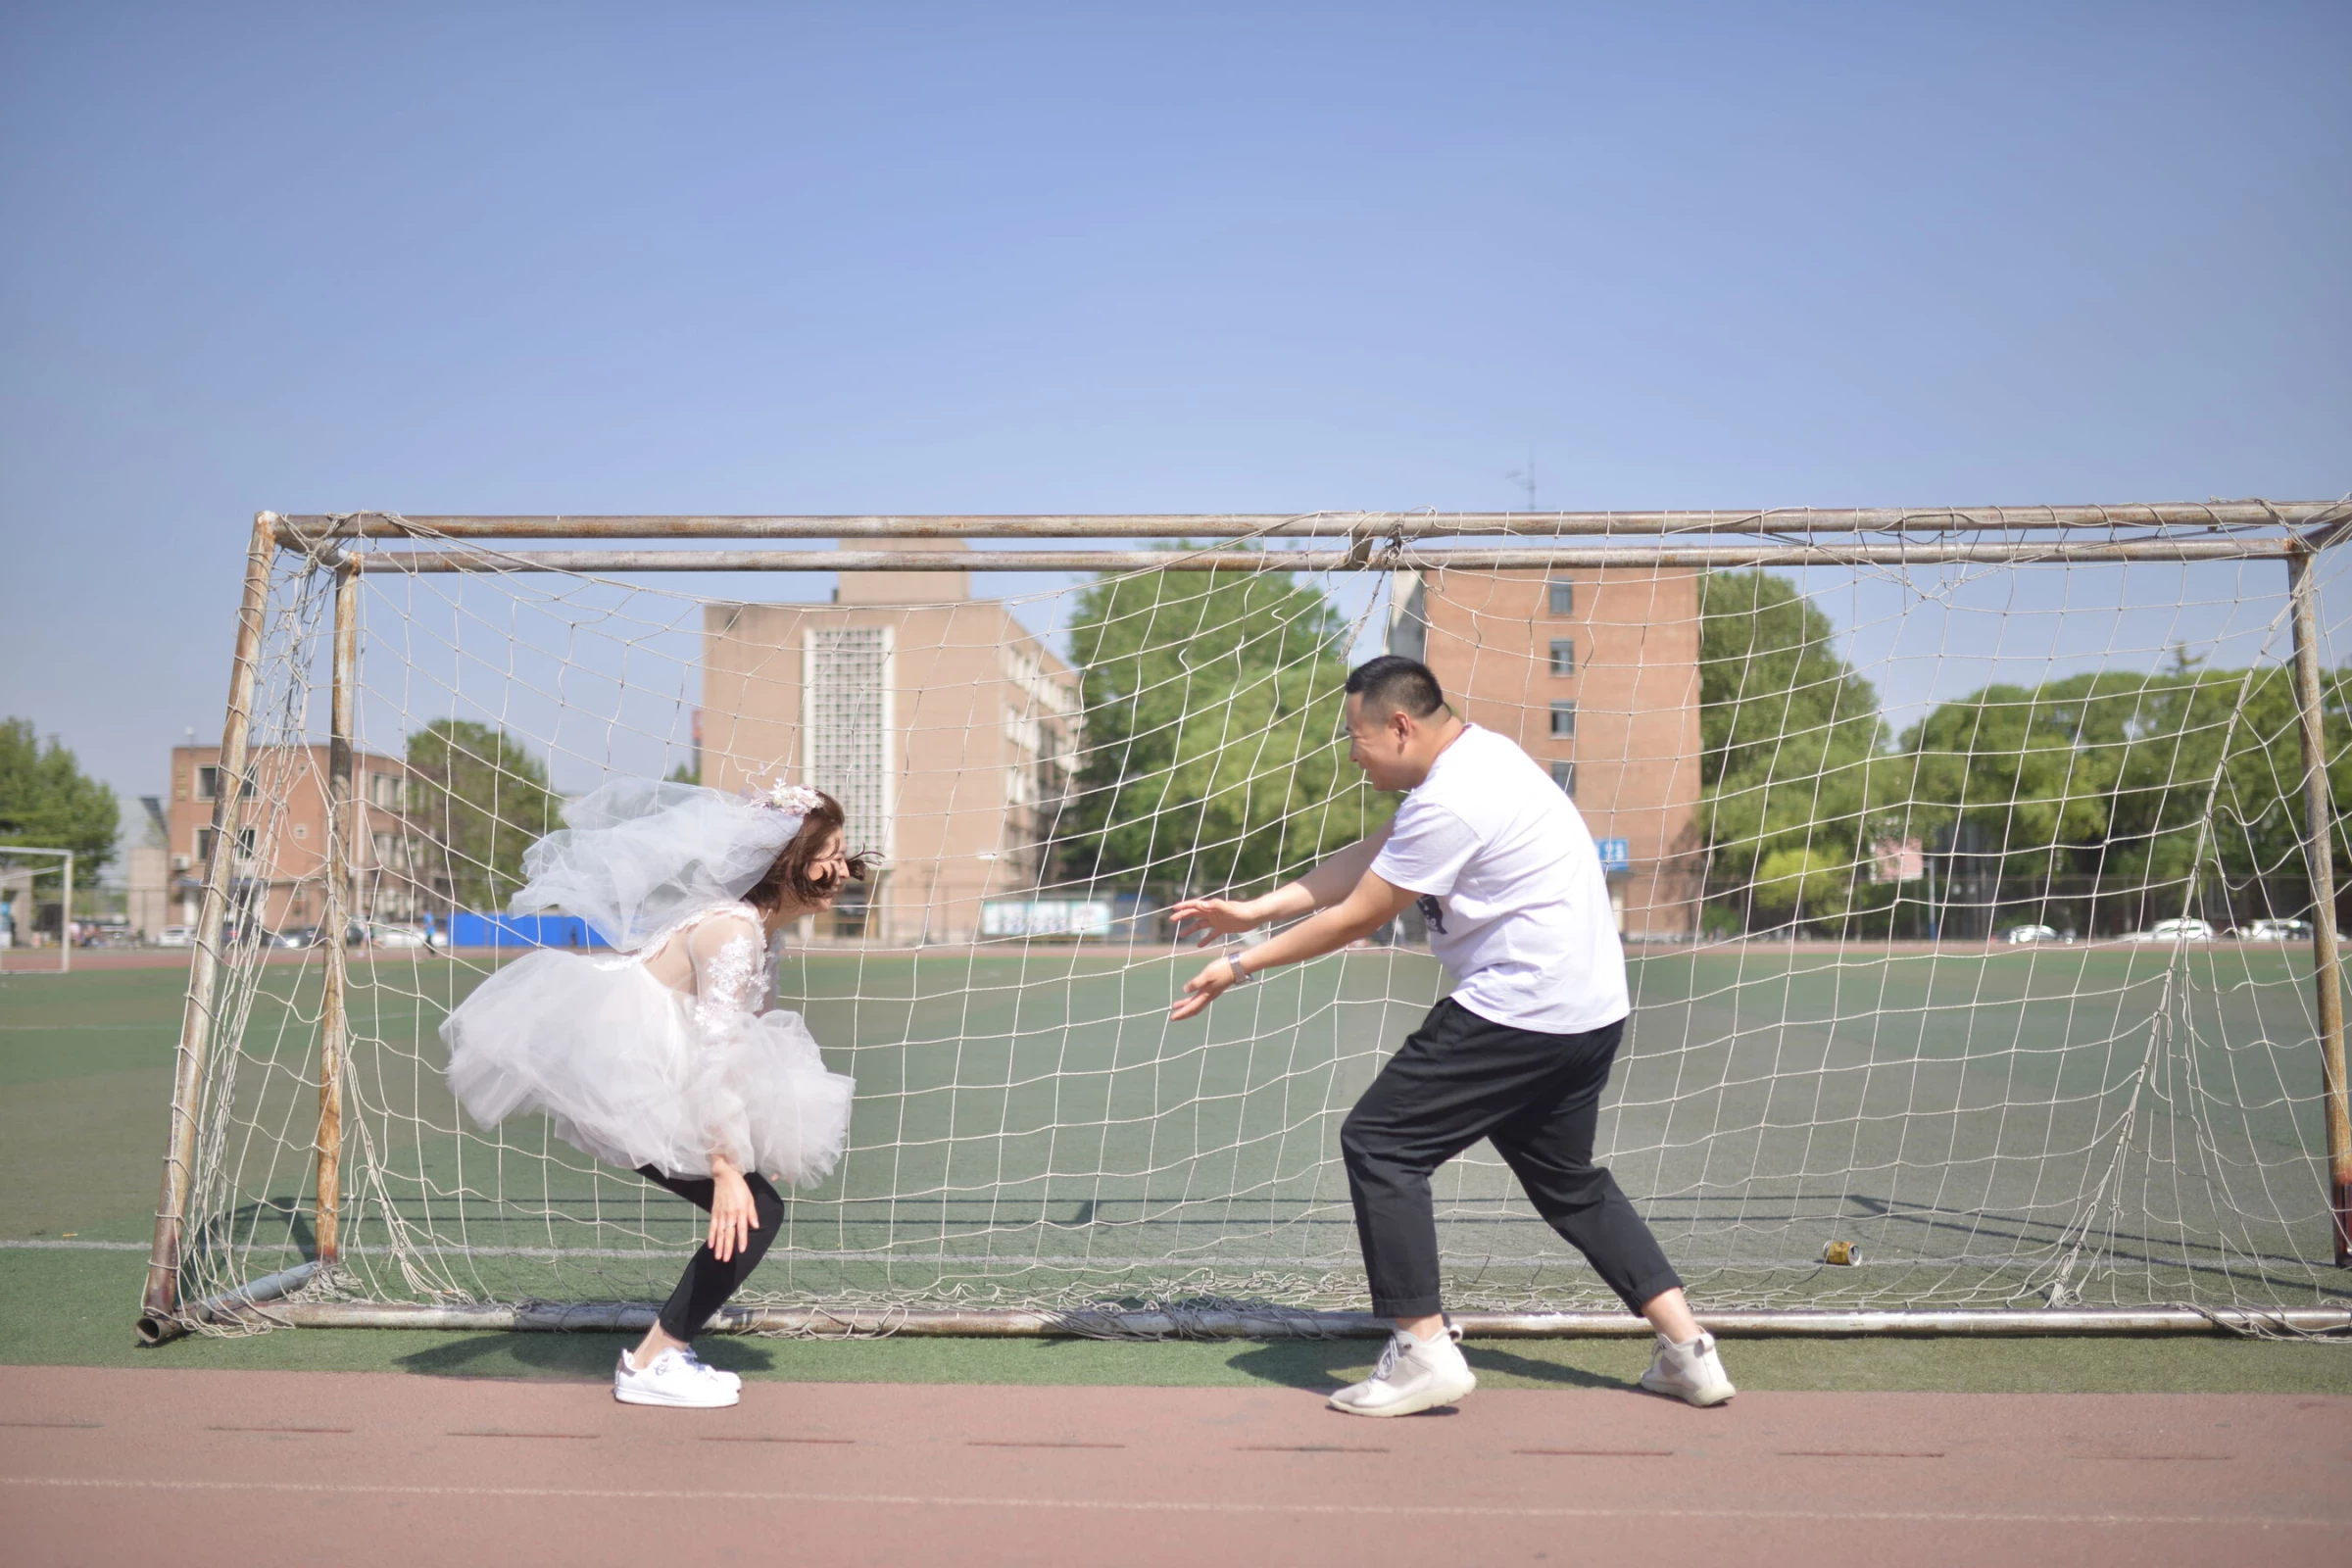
[{"x": 660, "y": 1058}]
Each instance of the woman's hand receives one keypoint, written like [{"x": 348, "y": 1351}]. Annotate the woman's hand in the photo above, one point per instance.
[
  {"x": 1216, "y": 917},
  {"x": 733, "y": 1217}
]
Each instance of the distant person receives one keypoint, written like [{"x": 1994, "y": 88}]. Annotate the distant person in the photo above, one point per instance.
[
  {"x": 1500, "y": 865},
  {"x": 8, "y": 925},
  {"x": 663, "y": 1062}
]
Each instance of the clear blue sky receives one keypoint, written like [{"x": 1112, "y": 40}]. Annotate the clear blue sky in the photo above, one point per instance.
[{"x": 1004, "y": 257}]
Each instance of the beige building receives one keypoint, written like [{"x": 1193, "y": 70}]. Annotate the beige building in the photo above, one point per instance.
[
  {"x": 147, "y": 872},
  {"x": 1594, "y": 673},
  {"x": 944, "y": 728},
  {"x": 278, "y": 876}
]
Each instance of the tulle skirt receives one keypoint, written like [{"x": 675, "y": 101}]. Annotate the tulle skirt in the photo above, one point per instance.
[{"x": 615, "y": 1061}]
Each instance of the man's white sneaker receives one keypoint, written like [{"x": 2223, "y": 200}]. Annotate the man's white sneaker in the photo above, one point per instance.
[
  {"x": 675, "y": 1379},
  {"x": 1693, "y": 1373},
  {"x": 1413, "y": 1375}
]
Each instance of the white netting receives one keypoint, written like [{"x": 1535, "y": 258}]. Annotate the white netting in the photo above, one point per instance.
[{"x": 1826, "y": 794}]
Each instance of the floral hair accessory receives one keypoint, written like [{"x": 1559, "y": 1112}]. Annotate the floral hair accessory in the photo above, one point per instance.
[{"x": 798, "y": 799}]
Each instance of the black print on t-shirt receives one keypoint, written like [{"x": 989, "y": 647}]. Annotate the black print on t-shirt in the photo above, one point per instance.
[{"x": 1432, "y": 912}]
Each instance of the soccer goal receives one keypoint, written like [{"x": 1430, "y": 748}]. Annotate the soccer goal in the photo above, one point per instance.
[
  {"x": 21, "y": 869},
  {"x": 1976, "y": 869}
]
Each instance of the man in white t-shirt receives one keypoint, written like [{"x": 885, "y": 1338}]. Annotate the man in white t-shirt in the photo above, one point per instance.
[{"x": 1507, "y": 878}]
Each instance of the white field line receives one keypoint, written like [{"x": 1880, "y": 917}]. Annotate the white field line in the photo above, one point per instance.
[
  {"x": 1107, "y": 1505},
  {"x": 901, "y": 1499}
]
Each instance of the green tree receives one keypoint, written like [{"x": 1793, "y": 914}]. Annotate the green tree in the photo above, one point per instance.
[
  {"x": 2015, "y": 764},
  {"x": 1213, "y": 749},
  {"x": 481, "y": 799},
  {"x": 1790, "y": 744},
  {"x": 1803, "y": 884},
  {"x": 2151, "y": 784},
  {"x": 46, "y": 801}
]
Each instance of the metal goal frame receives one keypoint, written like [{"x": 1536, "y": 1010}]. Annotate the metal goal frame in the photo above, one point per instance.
[{"x": 349, "y": 545}]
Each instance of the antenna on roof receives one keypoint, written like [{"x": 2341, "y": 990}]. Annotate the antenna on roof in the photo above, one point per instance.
[{"x": 1525, "y": 478}]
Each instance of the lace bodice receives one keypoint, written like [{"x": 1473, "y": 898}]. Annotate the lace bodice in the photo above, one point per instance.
[
  {"x": 730, "y": 982},
  {"x": 730, "y": 979}
]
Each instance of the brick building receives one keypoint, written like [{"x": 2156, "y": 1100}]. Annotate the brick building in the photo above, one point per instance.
[
  {"x": 278, "y": 876},
  {"x": 944, "y": 728},
  {"x": 1594, "y": 673}
]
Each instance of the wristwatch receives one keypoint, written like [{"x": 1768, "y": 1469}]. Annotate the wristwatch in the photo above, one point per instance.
[{"x": 1241, "y": 976}]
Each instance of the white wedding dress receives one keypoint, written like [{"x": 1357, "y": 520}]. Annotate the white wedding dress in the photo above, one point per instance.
[{"x": 638, "y": 1073}]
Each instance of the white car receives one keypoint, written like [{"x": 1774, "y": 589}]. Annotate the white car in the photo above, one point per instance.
[
  {"x": 2018, "y": 935},
  {"x": 176, "y": 935},
  {"x": 2275, "y": 931},
  {"x": 2175, "y": 931},
  {"x": 396, "y": 936}
]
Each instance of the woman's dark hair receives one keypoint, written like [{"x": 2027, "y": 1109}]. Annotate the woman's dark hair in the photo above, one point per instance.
[{"x": 793, "y": 875}]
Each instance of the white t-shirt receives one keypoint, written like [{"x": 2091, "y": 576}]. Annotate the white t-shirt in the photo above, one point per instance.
[{"x": 1512, "y": 889}]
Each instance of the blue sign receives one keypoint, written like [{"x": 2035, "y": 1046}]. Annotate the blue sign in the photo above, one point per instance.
[
  {"x": 467, "y": 929},
  {"x": 1616, "y": 856}
]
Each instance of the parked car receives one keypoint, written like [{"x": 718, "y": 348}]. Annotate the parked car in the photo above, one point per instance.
[
  {"x": 285, "y": 939},
  {"x": 176, "y": 935},
  {"x": 2175, "y": 931},
  {"x": 2018, "y": 935},
  {"x": 381, "y": 935},
  {"x": 2275, "y": 931}
]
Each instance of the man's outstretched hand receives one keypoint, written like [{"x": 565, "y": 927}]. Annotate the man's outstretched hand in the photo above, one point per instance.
[
  {"x": 1202, "y": 989},
  {"x": 1210, "y": 919}
]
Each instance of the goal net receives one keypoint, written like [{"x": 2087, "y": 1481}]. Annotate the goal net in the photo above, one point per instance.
[{"x": 1966, "y": 901}]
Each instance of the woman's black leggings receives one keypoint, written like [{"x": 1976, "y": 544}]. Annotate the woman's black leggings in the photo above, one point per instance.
[{"x": 708, "y": 1283}]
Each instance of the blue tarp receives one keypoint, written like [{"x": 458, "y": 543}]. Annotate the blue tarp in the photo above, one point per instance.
[{"x": 469, "y": 930}]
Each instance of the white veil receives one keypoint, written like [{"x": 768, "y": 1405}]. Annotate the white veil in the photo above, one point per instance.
[{"x": 640, "y": 855}]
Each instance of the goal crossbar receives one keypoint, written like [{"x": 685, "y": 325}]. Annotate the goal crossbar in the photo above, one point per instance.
[
  {"x": 302, "y": 531},
  {"x": 1387, "y": 559}
]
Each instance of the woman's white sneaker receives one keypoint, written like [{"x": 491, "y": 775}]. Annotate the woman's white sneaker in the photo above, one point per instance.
[
  {"x": 1413, "y": 1375},
  {"x": 724, "y": 1376},
  {"x": 1693, "y": 1373},
  {"x": 673, "y": 1379}
]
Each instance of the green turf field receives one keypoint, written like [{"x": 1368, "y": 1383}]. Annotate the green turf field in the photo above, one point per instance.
[
  {"x": 2134, "y": 1126},
  {"x": 84, "y": 1078}
]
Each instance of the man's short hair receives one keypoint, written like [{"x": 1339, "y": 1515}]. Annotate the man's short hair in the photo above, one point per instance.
[{"x": 1392, "y": 684}]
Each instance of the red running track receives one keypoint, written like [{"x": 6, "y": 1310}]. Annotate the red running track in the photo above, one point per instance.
[{"x": 182, "y": 1467}]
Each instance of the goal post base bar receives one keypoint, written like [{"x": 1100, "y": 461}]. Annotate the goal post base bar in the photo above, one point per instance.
[{"x": 255, "y": 1307}]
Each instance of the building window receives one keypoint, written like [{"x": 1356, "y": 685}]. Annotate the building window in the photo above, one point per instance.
[
  {"x": 847, "y": 725},
  {"x": 850, "y": 911},
  {"x": 1563, "y": 656},
  {"x": 1564, "y": 775},
  {"x": 1564, "y": 596},
  {"x": 1563, "y": 720},
  {"x": 206, "y": 837},
  {"x": 383, "y": 789},
  {"x": 208, "y": 784}
]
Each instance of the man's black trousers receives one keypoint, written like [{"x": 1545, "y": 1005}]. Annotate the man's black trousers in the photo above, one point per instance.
[
  {"x": 708, "y": 1283},
  {"x": 1459, "y": 1078}
]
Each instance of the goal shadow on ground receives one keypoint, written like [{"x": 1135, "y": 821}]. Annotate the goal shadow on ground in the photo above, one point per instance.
[
  {"x": 588, "y": 1357},
  {"x": 1322, "y": 1365}
]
